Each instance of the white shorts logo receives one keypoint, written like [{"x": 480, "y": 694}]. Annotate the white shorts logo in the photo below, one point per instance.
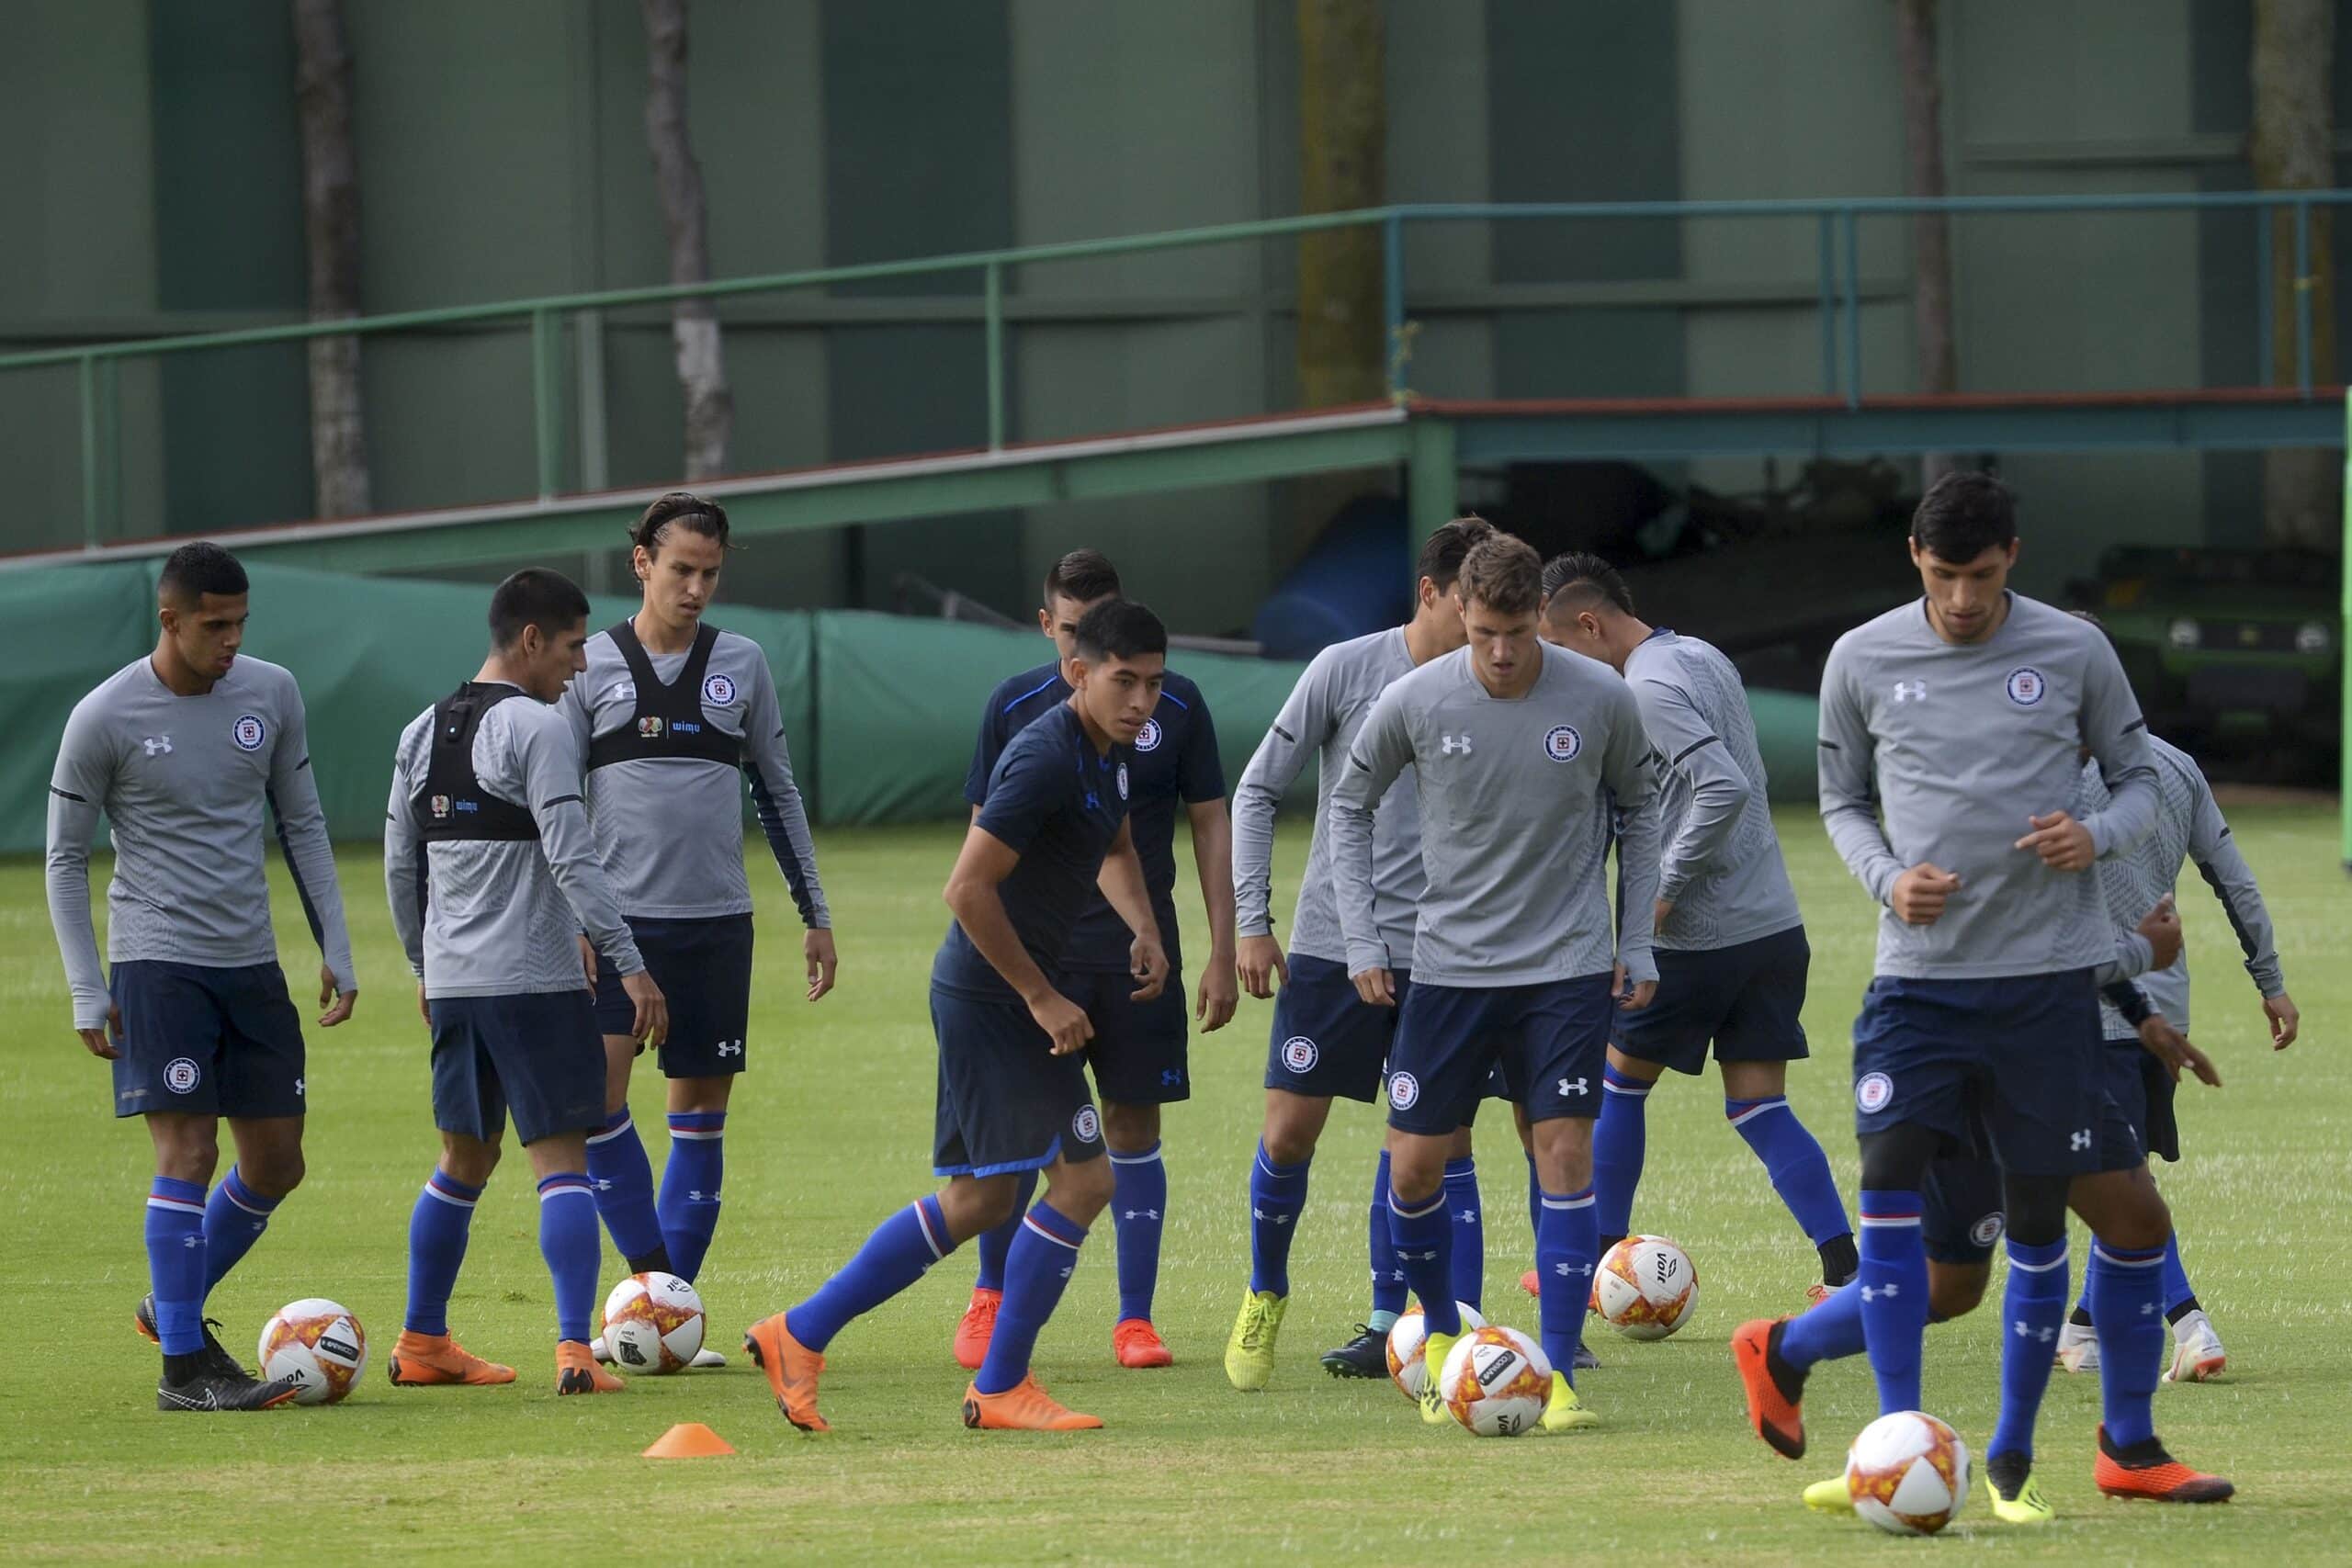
[
  {"x": 248, "y": 732},
  {"x": 1987, "y": 1231},
  {"x": 1085, "y": 1126},
  {"x": 1147, "y": 738},
  {"x": 1404, "y": 1088},
  {"x": 1872, "y": 1090},
  {"x": 1561, "y": 743},
  {"x": 180, "y": 1074},
  {"x": 717, "y": 691},
  {"x": 1122, "y": 780},
  {"x": 1300, "y": 1054},
  {"x": 2026, "y": 686}
]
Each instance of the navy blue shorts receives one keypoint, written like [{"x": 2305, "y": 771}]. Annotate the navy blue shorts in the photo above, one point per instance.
[
  {"x": 1549, "y": 1039},
  {"x": 1328, "y": 1041},
  {"x": 703, "y": 968},
  {"x": 2018, "y": 1054},
  {"x": 206, "y": 1041},
  {"x": 1744, "y": 999},
  {"x": 537, "y": 1054},
  {"x": 1962, "y": 1209},
  {"x": 1140, "y": 1052},
  {"x": 2143, "y": 1093},
  {"x": 1006, "y": 1102}
]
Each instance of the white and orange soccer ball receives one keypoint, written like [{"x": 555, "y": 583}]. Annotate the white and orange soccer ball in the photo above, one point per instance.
[
  {"x": 1407, "y": 1368},
  {"x": 317, "y": 1344},
  {"x": 1645, "y": 1288},
  {"x": 653, "y": 1323},
  {"x": 1908, "y": 1473},
  {"x": 1495, "y": 1381}
]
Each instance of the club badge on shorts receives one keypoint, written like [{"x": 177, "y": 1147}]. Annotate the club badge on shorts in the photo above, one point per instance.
[
  {"x": 1300, "y": 1054},
  {"x": 1085, "y": 1126},
  {"x": 1404, "y": 1091},
  {"x": 1872, "y": 1091}
]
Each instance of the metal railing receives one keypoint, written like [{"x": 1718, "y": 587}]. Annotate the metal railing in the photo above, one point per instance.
[{"x": 1838, "y": 301}]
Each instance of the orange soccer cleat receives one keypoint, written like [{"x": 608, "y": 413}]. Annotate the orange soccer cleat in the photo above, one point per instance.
[
  {"x": 426, "y": 1360},
  {"x": 978, "y": 1327},
  {"x": 2145, "y": 1471},
  {"x": 792, "y": 1368},
  {"x": 576, "y": 1370},
  {"x": 1778, "y": 1417},
  {"x": 1023, "y": 1408},
  {"x": 1137, "y": 1344}
]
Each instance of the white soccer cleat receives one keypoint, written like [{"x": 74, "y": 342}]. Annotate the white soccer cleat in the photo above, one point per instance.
[
  {"x": 706, "y": 1356},
  {"x": 598, "y": 1348},
  {"x": 2197, "y": 1355},
  {"x": 2078, "y": 1347}
]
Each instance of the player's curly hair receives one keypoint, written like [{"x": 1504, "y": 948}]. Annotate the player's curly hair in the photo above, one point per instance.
[
  {"x": 679, "y": 508},
  {"x": 1504, "y": 574}
]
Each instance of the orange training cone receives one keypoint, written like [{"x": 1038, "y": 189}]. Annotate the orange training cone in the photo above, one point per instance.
[{"x": 689, "y": 1440}]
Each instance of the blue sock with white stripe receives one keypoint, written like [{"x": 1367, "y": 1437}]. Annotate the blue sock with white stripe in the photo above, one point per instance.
[
  {"x": 2178, "y": 1292},
  {"x": 1828, "y": 1331},
  {"x": 995, "y": 1244},
  {"x": 1565, "y": 1248},
  {"x": 1464, "y": 1214},
  {"x": 2031, "y": 1308},
  {"x": 234, "y": 1217},
  {"x": 1420, "y": 1236},
  {"x": 569, "y": 1242},
  {"x": 1893, "y": 1281},
  {"x": 2128, "y": 1309},
  {"x": 901, "y": 1250},
  {"x": 176, "y": 1263},
  {"x": 689, "y": 1202},
  {"x": 436, "y": 1248},
  {"x": 1388, "y": 1280},
  {"x": 623, "y": 1189},
  {"x": 1620, "y": 1141},
  {"x": 1277, "y": 1196},
  {"x": 1138, "y": 1210},
  {"x": 1036, "y": 1271},
  {"x": 1792, "y": 1158}
]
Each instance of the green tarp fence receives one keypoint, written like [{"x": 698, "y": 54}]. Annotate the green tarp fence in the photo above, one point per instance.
[{"x": 880, "y": 710}]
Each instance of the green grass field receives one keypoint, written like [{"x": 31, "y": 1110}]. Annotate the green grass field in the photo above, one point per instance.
[{"x": 831, "y": 1130}]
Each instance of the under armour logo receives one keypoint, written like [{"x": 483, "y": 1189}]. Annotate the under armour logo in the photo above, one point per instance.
[
  {"x": 157, "y": 745},
  {"x": 695, "y": 1195},
  {"x": 604, "y": 1184},
  {"x": 1468, "y": 1216},
  {"x": 1565, "y": 1270},
  {"x": 2150, "y": 1309},
  {"x": 1573, "y": 1086},
  {"x": 1154, "y": 1213},
  {"x": 1066, "y": 1271},
  {"x": 1910, "y": 691},
  {"x": 1398, "y": 1274},
  {"x": 1883, "y": 1292},
  {"x": 195, "y": 1240},
  {"x": 1429, "y": 1257},
  {"x": 730, "y": 1047},
  {"x": 1448, "y": 745},
  {"x": 2027, "y": 1331},
  {"x": 1171, "y": 1077},
  {"x": 298, "y": 1086},
  {"x": 2079, "y": 1141}
]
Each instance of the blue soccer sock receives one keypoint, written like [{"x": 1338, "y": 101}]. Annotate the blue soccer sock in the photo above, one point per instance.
[
  {"x": 436, "y": 1247},
  {"x": 175, "y": 1266},
  {"x": 901, "y": 1250},
  {"x": 2128, "y": 1309},
  {"x": 1036, "y": 1271},
  {"x": 2178, "y": 1292},
  {"x": 1893, "y": 1282},
  {"x": 1792, "y": 1158},
  {"x": 2031, "y": 1308},
  {"x": 1388, "y": 1280},
  {"x": 1421, "y": 1236},
  {"x": 1277, "y": 1196},
  {"x": 623, "y": 1188},
  {"x": 1565, "y": 1254},
  {"x": 1464, "y": 1216},
  {"x": 1620, "y": 1139},
  {"x": 995, "y": 1244},
  {"x": 569, "y": 1242},
  {"x": 1138, "y": 1211},
  {"x": 1828, "y": 1331},
  {"x": 689, "y": 1203},
  {"x": 234, "y": 1217}
]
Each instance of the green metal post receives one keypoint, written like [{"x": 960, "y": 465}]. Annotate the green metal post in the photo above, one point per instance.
[
  {"x": 993, "y": 294},
  {"x": 1431, "y": 476},
  {"x": 110, "y": 447},
  {"x": 546, "y": 398},
  {"x": 1392, "y": 303},
  {"x": 588, "y": 333},
  {"x": 86, "y": 377},
  {"x": 1853, "y": 309},
  {"x": 1824, "y": 241},
  {"x": 2304, "y": 298}
]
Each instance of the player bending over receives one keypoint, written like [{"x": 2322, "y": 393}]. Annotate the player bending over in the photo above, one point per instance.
[
  {"x": 1012, "y": 1097},
  {"x": 1325, "y": 1040},
  {"x": 1732, "y": 954},
  {"x": 492, "y": 872},
  {"x": 1138, "y": 1052},
  {"x": 1512, "y": 742},
  {"x": 674, "y": 717},
  {"x": 182, "y": 750}
]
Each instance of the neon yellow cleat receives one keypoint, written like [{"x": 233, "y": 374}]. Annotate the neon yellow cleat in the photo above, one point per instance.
[
  {"x": 1567, "y": 1413},
  {"x": 1434, "y": 1350},
  {"x": 1829, "y": 1497},
  {"x": 2028, "y": 1508},
  {"x": 1249, "y": 1353}
]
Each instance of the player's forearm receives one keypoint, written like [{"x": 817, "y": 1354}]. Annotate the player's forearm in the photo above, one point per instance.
[
  {"x": 572, "y": 856},
  {"x": 309, "y": 858},
  {"x": 1703, "y": 836},
  {"x": 2134, "y": 801},
  {"x": 784, "y": 822},
  {"x": 68, "y": 876},
  {"x": 1251, "y": 832},
  {"x": 404, "y": 889},
  {"x": 1213, "y": 858},
  {"x": 980, "y": 909},
  {"x": 1122, "y": 884},
  {"x": 1637, "y": 890},
  {"x": 1861, "y": 843},
  {"x": 2232, "y": 880},
  {"x": 1352, "y": 887},
  {"x": 2132, "y": 957}
]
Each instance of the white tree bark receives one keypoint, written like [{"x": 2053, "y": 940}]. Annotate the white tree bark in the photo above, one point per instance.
[
  {"x": 330, "y": 233},
  {"x": 677, "y": 178}
]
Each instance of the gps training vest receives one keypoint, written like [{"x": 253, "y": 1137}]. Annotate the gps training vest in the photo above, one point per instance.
[
  {"x": 453, "y": 805},
  {"x": 669, "y": 721}
]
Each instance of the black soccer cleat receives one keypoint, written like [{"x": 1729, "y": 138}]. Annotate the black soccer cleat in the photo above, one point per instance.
[
  {"x": 1365, "y": 1355},
  {"x": 216, "y": 1357},
  {"x": 1586, "y": 1360},
  {"x": 208, "y": 1390}
]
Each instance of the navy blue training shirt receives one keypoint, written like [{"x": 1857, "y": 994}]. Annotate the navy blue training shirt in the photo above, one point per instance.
[
  {"x": 1175, "y": 758},
  {"x": 1059, "y": 803}
]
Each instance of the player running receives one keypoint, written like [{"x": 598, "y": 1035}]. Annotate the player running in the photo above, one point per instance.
[
  {"x": 1512, "y": 742},
  {"x": 492, "y": 872},
  {"x": 181, "y": 749},
  {"x": 1325, "y": 1040},
  {"x": 1139, "y": 1053},
  {"x": 1012, "y": 1098},
  {"x": 675, "y": 719},
  {"x": 1732, "y": 954},
  {"x": 1960, "y": 717}
]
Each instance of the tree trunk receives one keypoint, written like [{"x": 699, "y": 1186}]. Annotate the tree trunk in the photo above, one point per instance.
[
  {"x": 1923, "y": 137},
  {"x": 694, "y": 325},
  {"x": 330, "y": 232},
  {"x": 2294, "y": 127}
]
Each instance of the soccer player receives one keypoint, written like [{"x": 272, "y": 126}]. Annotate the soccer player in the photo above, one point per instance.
[
  {"x": 1732, "y": 954},
  {"x": 181, "y": 749},
  {"x": 1012, "y": 1098},
  {"x": 1325, "y": 1040},
  {"x": 1960, "y": 717},
  {"x": 1512, "y": 743},
  {"x": 674, "y": 717},
  {"x": 1138, "y": 1052},
  {"x": 492, "y": 872}
]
